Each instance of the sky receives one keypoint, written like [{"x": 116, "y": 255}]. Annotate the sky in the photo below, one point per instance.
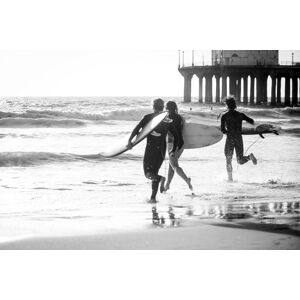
[
  {"x": 96, "y": 73},
  {"x": 121, "y": 48}
]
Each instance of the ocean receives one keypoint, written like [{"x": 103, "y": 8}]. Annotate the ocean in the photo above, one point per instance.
[{"x": 55, "y": 182}]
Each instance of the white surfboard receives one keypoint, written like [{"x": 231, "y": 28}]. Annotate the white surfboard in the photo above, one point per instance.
[
  {"x": 121, "y": 146},
  {"x": 261, "y": 129},
  {"x": 199, "y": 135}
]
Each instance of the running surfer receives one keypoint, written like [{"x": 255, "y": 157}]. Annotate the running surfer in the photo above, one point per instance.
[
  {"x": 178, "y": 122},
  {"x": 231, "y": 125},
  {"x": 155, "y": 150}
]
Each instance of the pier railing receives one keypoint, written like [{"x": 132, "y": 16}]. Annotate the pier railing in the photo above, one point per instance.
[{"x": 241, "y": 62}]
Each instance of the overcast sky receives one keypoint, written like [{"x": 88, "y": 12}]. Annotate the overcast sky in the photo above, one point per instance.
[
  {"x": 123, "y": 48},
  {"x": 94, "y": 73}
]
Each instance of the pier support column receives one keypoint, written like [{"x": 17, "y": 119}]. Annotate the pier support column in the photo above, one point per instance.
[
  {"x": 258, "y": 89},
  {"x": 264, "y": 90},
  {"x": 187, "y": 88},
  {"x": 232, "y": 85},
  {"x": 287, "y": 98},
  {"x": 200, "y": 89},
  {"x": 208, "y": 89},
  {"x": 295, "y": 91},
  {"x": 238, "y": 87},
  {"x": 273, "y": 100},
  {"x": 278, "y": 98},
  {"x": 245, "y": 99},
  {"x": 252, "y": 90},
  {"x": 217, "y": 89},
  {"x": 224, "y": 86}
]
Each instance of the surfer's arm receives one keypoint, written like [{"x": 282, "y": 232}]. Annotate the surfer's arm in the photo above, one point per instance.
[
  {"x": 135, "y": 131},
  {"x": 247, "y": 119},
  {"x": 223, "y": 128}
]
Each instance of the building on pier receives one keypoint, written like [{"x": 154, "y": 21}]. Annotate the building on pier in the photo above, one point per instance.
[
  {"x": 244, "y": 74},
  {"x": 245, "y": 57}
]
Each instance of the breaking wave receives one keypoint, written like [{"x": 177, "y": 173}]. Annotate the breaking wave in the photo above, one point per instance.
[
  {"x": 42, "y": 122},
  {"x": 295, "y": 131},
  {"x": 27, "y": 159},
  {"x": 56, "y": 118},
  {"x": 53, "y": 118}
]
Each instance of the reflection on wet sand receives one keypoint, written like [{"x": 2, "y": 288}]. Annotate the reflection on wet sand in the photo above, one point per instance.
[
  {"x": 280, "y": 213},
  {"x": 161, "y": 221}
]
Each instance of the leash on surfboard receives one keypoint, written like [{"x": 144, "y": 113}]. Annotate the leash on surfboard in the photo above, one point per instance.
[{"x": 252, "y": 144}]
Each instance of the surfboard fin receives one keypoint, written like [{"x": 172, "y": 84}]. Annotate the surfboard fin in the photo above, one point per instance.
[
  {"x": 260, "y": 134},
  {"x": 276, "y": 132}
]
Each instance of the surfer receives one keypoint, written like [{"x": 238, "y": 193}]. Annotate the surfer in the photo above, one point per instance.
[
  {"x": 178, "y": 122},
  {"x": 155, "y": 150},
  {"x": 231, "y": 125}
]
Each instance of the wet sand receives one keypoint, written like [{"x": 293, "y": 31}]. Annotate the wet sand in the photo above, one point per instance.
[{"x": 209, "y": 235}]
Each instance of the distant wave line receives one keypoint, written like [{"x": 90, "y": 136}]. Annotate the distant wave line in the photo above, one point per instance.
[{"x": 26, "y": 159}]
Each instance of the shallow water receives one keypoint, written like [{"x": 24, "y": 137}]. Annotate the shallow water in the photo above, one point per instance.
[{"x": 54, "y": 182}]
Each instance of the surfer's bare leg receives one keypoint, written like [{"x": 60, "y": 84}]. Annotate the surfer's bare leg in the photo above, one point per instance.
[
  {"x": 170, "y": 177},
  {"x": 170, "y": 171},
  {"x": 241, "y": 159},
  {"x": 176, "y": 168},
  {"x": 229, "y": 167},
  {"x": 162, "y": 184},
  {"x": 229, "y": 146}
]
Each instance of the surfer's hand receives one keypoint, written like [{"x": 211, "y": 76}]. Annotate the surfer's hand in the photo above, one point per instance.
[
  {"x": 171, "y": 153},
  {"x": 129, "y": 145}
]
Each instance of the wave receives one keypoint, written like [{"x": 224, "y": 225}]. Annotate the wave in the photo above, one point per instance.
[
  {"x": 120, "y": 114},
  {"x": 295, "y": 131},
  {"x": 28, "y": 159},
  {"x": 291, "y": 111},
  {"x": 28, "y": 122},
  {"x": 57, "y": 118},
  {"x": 277, "y": 183},
  {"x": 53, "y": 118},
  {"x": 284, "y": 117}
]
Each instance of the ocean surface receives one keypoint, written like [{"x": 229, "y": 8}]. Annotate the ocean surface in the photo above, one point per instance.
[{"x": 54, "y": 180}]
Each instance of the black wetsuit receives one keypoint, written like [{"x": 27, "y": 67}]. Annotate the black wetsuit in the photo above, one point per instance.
[
  {"x": 155, "y": 150},
  {"x": 178, "y": 123},
  {"x": 231, "y": 124}
]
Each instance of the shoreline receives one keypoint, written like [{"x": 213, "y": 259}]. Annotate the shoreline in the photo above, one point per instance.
[{"x": 205, "y": 235}]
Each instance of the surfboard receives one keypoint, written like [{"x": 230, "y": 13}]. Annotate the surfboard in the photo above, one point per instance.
[
  {"x": 198, "y": 135},
  {"x": 121, "y": 146},
  {"x": 261, "y": 129}
]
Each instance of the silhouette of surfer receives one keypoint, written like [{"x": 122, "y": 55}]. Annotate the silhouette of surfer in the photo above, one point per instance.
[
  {"x": 178, "y": 122},
  {"x": 231, "y": 125},
  {"x": 155, "y": 150}
]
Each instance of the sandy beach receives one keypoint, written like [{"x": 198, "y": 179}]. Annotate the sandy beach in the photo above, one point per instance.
[{"x": 217, "y": 235}]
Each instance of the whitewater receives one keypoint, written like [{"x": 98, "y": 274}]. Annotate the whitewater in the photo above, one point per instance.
[{"x": 54, "y": 181}]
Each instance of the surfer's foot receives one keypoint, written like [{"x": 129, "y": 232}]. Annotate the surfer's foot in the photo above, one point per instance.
[
  {"x": 167, "y": 187},
  {"x": 162, "y": 184},
  {"x": 189, "y": 182},
  {"x": 152, "y": 200},
  {"x": 230, "y": 179},
  {"x": 253, "y": 158}
]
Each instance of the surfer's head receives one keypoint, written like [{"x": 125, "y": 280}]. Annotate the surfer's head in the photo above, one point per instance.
[
  {"x": 230, "y": 102},
  {"x": 171, "y": 106},
  {"x": 158, "y": 105}
]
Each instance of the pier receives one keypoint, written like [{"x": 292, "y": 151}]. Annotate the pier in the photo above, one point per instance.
[{"x": 245, "y": 78}]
